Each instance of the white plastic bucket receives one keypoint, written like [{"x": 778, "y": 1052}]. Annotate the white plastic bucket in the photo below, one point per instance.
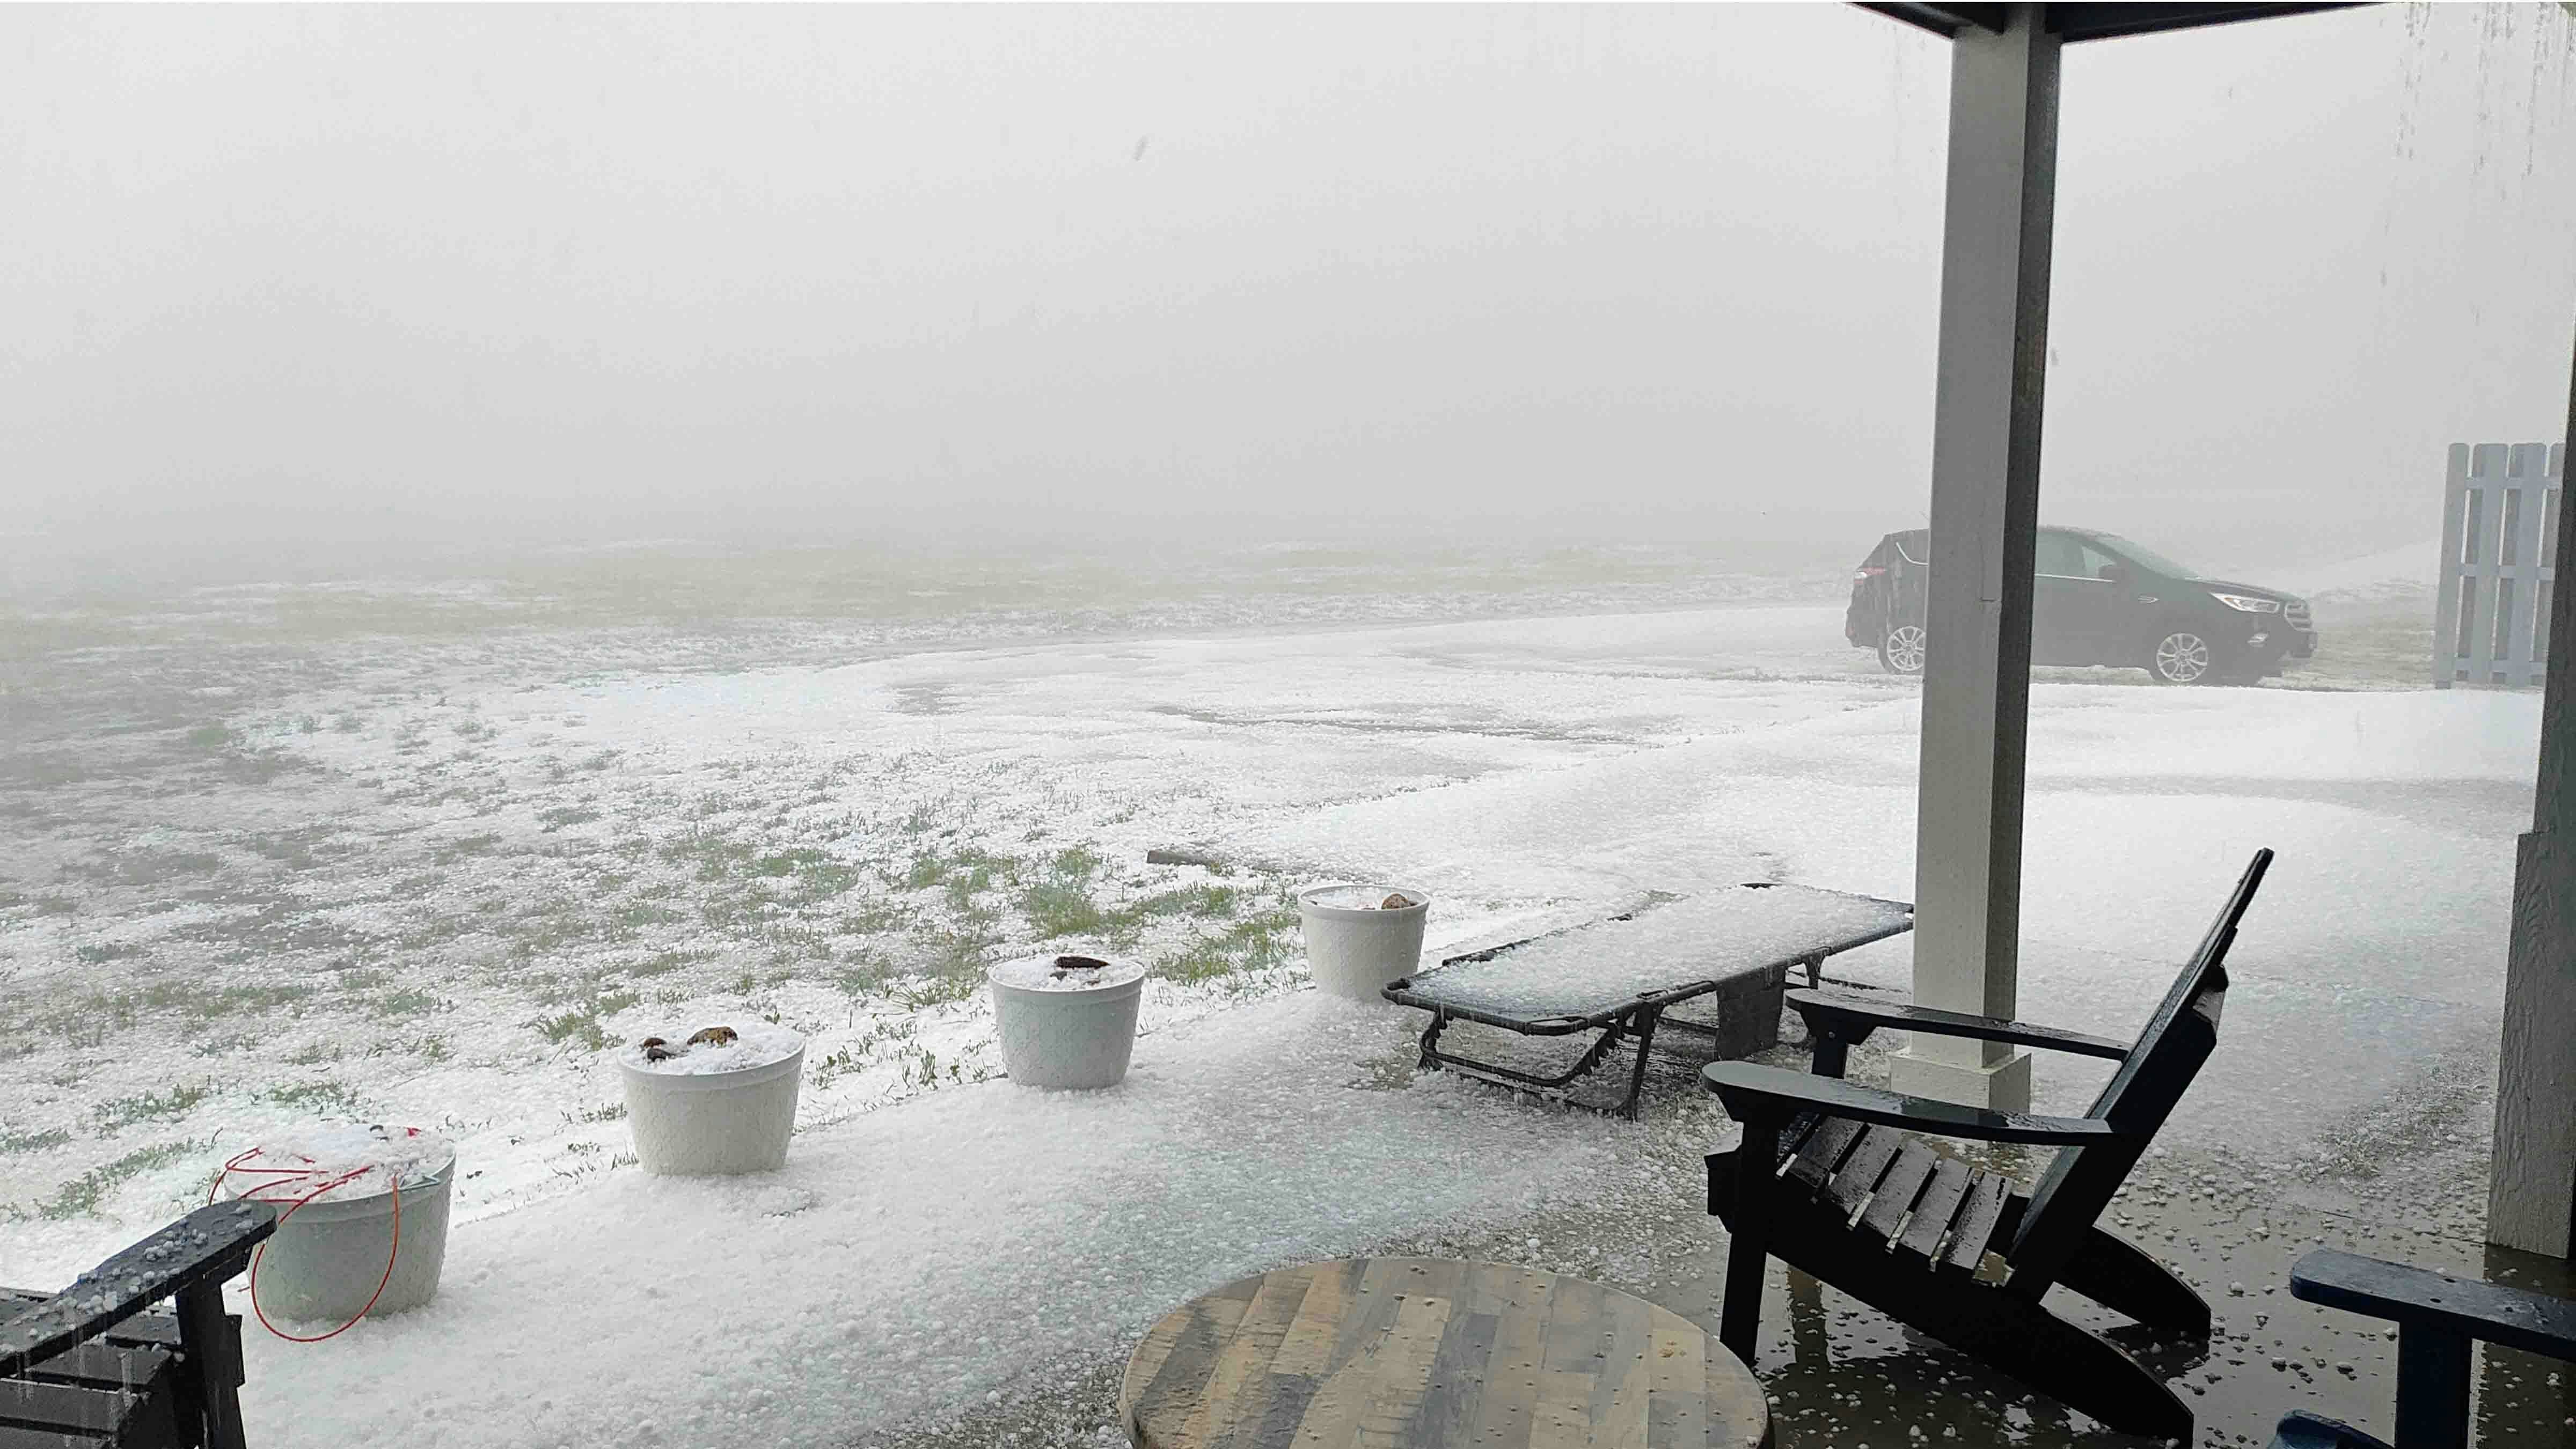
[
  {"x": 713, "y": 1123},
  {"x": 328, "y": 1256},
  {"x": 1355, "y": 950},
  {"x": 1076, "y": 1039}
]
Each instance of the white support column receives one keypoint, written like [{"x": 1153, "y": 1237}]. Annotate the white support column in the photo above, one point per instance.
[
  {"x": 2531, "y": 1187},
  {"x": 1985, "y": 517}
]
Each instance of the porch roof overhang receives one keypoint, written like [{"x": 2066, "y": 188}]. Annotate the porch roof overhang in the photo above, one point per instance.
[
  {"x": 1997, "y": 234},
  {"x": 2074, "y": 22}
]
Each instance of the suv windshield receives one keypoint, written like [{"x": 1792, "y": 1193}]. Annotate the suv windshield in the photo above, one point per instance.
[{"x": 2148, "y": 557}]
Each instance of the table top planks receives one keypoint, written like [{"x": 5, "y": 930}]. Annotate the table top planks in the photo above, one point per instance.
[{"x": 1430, "y": 1353}]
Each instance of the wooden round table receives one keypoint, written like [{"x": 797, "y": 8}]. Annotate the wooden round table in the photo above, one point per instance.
[{"x": 1431, "y": 1353}]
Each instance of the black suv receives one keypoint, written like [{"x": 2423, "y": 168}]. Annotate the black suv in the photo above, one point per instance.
[{"x": 2098, "y": 599}]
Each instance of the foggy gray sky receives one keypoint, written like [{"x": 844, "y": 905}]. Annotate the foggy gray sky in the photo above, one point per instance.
[{"x": 597, "y": 272}]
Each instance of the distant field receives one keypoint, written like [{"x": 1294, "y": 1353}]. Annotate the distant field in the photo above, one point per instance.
[
  {"x": 351, "y": 848},
  {"x": 424, "y": 850}
]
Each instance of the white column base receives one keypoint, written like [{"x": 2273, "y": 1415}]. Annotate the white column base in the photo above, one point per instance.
[{"x": 2002, "y": 1087}]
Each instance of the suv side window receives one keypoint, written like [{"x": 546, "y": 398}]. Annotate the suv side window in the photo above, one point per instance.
[
  {"x": 2060, "y": 554},
  {"x": 2095, "y": 560}
]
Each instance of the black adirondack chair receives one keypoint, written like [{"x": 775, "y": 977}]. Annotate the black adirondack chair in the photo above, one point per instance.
[
  {"x": 88, "y": 1367},
  {"x": 2437, "y": 1317},
  {"x": 1839, "y": 1189}
]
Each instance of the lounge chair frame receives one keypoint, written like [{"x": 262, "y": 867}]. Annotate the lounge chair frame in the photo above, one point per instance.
[{"x": 1636, "y": 1018}]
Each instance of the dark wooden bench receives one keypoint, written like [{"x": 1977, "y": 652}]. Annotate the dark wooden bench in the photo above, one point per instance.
[
  {"x": 1829, "y": 1178},
  {"x": 88, "y": 1366},
  {"x": 2437, "y": 1317}
]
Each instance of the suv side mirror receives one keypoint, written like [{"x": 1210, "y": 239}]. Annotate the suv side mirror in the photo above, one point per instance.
[{"x": 2113, "y": 573}]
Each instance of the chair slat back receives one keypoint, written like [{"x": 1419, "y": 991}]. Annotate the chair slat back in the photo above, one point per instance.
[{"x": 2181, "y": 1034}]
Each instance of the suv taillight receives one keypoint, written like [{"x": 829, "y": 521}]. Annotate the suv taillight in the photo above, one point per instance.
[{"x": 1866, "y": 571}]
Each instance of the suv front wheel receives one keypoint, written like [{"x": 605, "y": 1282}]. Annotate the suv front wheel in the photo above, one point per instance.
[
  {"x": 2183, "y": 656},
  {"x": 1900, "y": 649}
]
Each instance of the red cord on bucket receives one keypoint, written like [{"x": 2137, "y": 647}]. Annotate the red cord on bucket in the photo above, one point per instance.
[{"x": 281, "y": 1176}]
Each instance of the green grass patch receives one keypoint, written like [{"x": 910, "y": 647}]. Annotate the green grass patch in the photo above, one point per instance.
[
  {"x": 551, "y": 928},
  {"x": 1206, "y": 902},
  {"x": 964, "y": 872},
  {"x": 1250, "y": 944},
  {"x": 813, "y": 877},
  {"x": 410, "y": 1001},
  {"x": 581, "y": 1023},
  {"x": 877, "y": 917},
  {"x": 81, "y": 1196},
  {"x": 1063, "y": 908},
  {"x": 922, "y": 991},
  {"x": 323, "y": 1099},
  {"x": 733, "y": 911},
  {"x": 150, "y": 1107},
  {"x": 88, "y": 1020},
  {"x": 258, "y": 767},
  {"x": 663, "y": 963},
  {"x": 637, "y": 916},
  {"x": 13, "y": 1143},
  {"x": 714, "y": 856},
  {"x": 860, "y": 979},
  {"x": 789, "y": 862}
]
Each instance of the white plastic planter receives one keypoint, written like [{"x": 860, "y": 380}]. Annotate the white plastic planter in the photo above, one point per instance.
[
  {"x": 329, "y": 1255},
  {"x": 706, "y": 1118},
  {"x": 1354, "y": 944},
  {"x": 1067, "y": 1026}
]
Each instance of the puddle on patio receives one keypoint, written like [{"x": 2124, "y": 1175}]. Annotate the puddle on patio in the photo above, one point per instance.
[{"x": 1841, "y": 1375}]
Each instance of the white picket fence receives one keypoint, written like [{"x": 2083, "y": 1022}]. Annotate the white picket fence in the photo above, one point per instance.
[{"x": 2499, "y": 560}]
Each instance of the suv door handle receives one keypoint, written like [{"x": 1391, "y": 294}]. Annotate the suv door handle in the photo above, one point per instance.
[{"x": 2147, "y": 598}]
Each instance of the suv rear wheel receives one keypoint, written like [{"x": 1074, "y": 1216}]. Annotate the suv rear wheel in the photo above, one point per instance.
[
  {"x": 2183, "y": 656},
  {"x": 1900, "y": 649}
]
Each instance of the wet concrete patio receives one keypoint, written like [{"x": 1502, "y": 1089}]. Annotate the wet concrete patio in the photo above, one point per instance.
[{"x": 2406, "y": 1182}]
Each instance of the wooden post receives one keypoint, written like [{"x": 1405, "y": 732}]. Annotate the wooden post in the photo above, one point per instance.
[
  {"x": 213, "y": 1347},
  {"x": 2432, "y": 1387},
  {"x": 1995, "y": 239},
  {"x": 1748, "y": 1248},
  {"x": 2531, "y": 1186}
]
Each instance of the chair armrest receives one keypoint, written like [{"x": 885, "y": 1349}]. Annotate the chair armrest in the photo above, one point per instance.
[
  {"x": 1848, "y": 1020},
  {"x": 1770, "y": 1094},
  {"x": 204, "y": 1248},
  {"x": 2409, "y": 1296},
  {"x": 2299, "y": 1429}
]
